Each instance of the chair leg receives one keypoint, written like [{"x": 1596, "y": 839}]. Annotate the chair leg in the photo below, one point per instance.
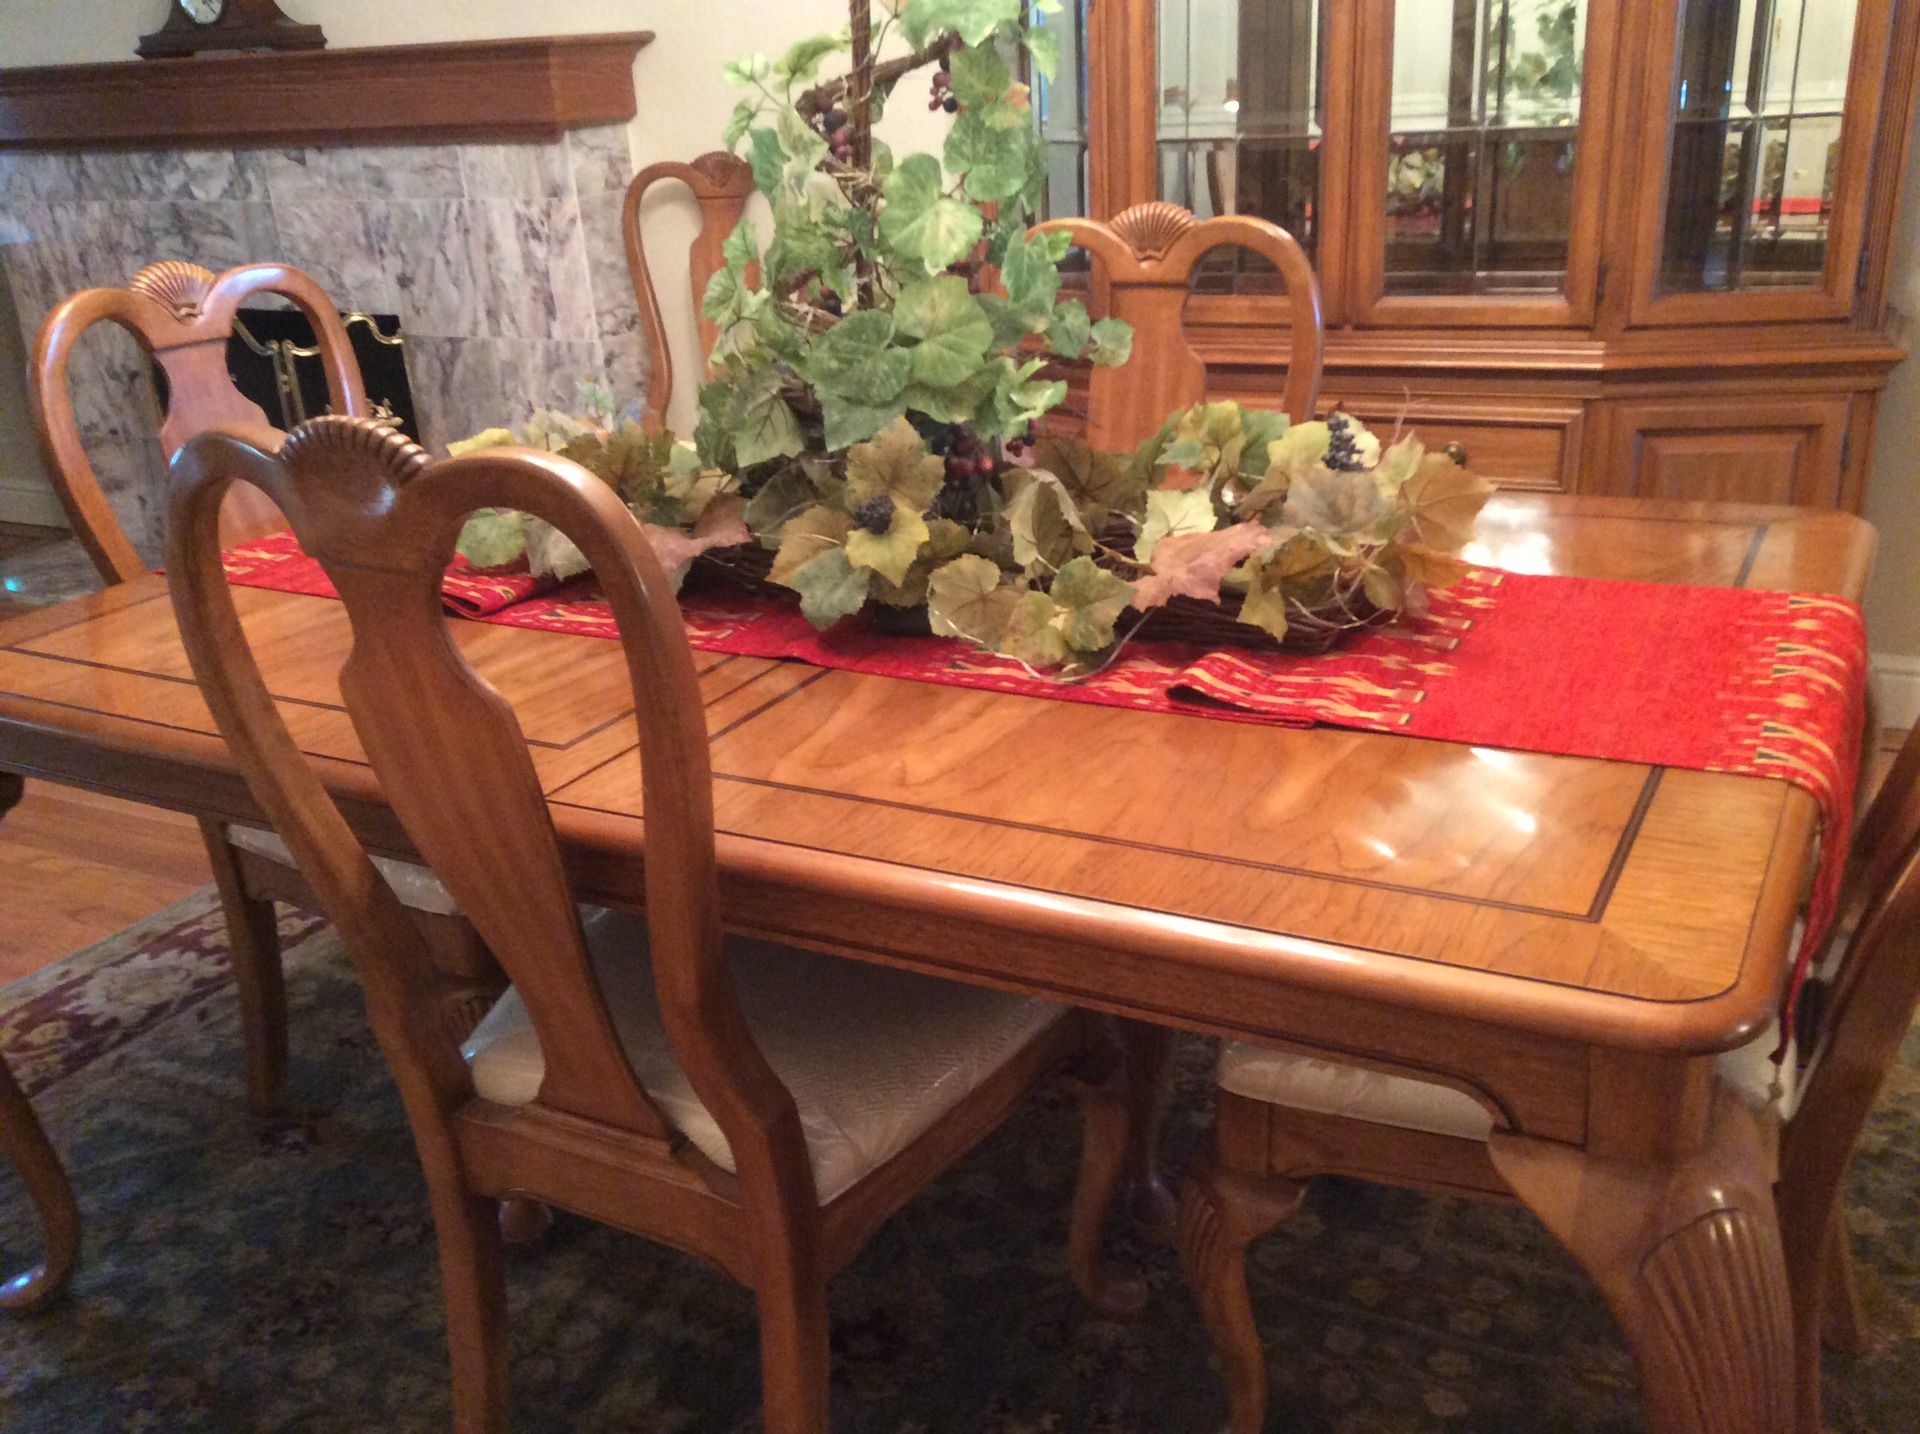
[
  {"x": 1843, "y": 1324},
  {"x": 25, "y": 1146},
  {"x": 253, "y": 936},
  {"x": 1109, "y": 1117},
  {"x": 473, "y": 1284},
  {"x": 1149, "y": 1051},
  {"x": 1223, "y": 1211},
  {"x": 794, "y": 1358}
]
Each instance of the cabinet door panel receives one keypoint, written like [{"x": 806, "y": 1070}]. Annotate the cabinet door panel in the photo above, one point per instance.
[{"x": 1731, "y": 450}]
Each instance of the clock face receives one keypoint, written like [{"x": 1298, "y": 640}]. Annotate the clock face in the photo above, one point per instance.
[{"x": 203, "y": 12}]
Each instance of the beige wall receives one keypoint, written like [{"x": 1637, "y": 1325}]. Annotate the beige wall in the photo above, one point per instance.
[{"x": 1893, "y": 493}]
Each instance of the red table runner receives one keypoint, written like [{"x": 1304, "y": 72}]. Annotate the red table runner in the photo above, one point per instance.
[{"x": 1710, "y": 679}]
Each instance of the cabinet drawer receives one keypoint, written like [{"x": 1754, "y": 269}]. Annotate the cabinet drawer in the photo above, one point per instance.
[{"x": 1517, "y": 443}]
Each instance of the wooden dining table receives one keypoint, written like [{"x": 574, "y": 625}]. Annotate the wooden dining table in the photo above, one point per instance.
[{"x": 1569, "y": 940}]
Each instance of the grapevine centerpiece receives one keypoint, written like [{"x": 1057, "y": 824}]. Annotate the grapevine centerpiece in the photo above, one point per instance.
[{"x": 871, "y": 385}]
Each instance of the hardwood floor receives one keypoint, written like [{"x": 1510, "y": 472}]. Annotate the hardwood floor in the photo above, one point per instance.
[{"x": 76, "y": 867}]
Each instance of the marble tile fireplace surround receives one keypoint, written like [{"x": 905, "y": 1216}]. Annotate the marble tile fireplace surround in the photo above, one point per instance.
[{"x": 503, "y": 262}]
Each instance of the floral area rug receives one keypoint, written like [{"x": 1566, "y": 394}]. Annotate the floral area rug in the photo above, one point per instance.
[{"x": 248, "y": 1275}]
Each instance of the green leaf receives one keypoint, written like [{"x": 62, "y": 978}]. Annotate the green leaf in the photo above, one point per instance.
[
  {"x": 1034, "y": 633},
  {"x": 801, "y": 63},
  {"x": 1009, "y": 327},
  {"x": 780, "y": 499},
  {"x": 739, "y": 123},
  {"x": 769, "y": 159},
  {"x": 1092, "y": 598},
  {"x": 741, "y": 247},
  {"x": 1298, "y": 449},
  {"x": 1335, "y": 505},
  {"x": 804, "y": 145},
  {"x": 1097, "y": 482},
  {"x": 921, "y": 223},
  {"x": 891, "y": 553},
  {"x": 952, "y": 328},
  {"x": 967, "y": 599},
  {"x": 1112, "y": 342},
  {"x": 980, "y": 75},
  {"x": 853, "y": 359},
  {"x": 1265, "y": 605},
  {"x": 1031, "y": 276},
  {"x": 1444, "y": 499},
  {"x": 830, "y": 588},
  {"x": 1171, "y": 514},
  {"x": 1262, "y": 428},
  {"x": 747, "y": 70},
  {"x": 971, "y": 20},
  {"x": 1043, "y": 45},
  {"x": 849, "y": 420},
  {"x": 493, "y": 537},
  {"x": 1042, "y": 520},
  {"x": 763, "y": 426},
  {"x": 552, "y": 554},
  {"x": 1068, "y": 329},
  {"x": 724, "y": 298},
  {"x": 897, "y": 464},
  {"x": 805, "y": 536},
  {"x": 993, "y": 161}
]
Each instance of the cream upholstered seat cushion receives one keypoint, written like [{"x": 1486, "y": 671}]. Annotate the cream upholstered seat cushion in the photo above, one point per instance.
[
  {"x": 1327, "y": 1087},
  {"x": 416, "y": 886},
  {"x": 874, "y": 1057}
]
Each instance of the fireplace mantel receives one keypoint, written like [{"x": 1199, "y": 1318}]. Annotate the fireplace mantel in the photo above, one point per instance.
[{"x": 469, "y": 92}]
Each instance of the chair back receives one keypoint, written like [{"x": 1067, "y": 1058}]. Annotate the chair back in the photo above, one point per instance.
[
  {"x": 721, "y": 185},
  {"x": 1865, "y": 1004},
  {"x": 452, "y": 761},
  {"x": 1143, "y": 267},
  {"x": 181, "y": 316}
]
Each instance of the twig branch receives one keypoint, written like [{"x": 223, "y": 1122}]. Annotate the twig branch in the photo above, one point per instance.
[{"x": 822, "y": 96}]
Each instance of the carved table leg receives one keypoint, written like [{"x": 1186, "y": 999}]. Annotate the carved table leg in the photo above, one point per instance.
[
  {"x": 1149, "y": 1052},
  {"x": 1689, "y": 1258},
  {"x": 25, "y": 1145}
]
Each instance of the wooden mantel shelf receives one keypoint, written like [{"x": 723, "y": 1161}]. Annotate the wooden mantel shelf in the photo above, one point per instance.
[{"x": 486, "y": 90}]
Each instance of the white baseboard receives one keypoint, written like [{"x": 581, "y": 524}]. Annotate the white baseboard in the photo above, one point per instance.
[
  {"x": 1896, "y": 682},
  {"x": 35, "y": 505}
]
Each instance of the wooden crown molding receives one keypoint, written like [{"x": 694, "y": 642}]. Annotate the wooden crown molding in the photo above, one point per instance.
[{"x": 485, "y": 90}]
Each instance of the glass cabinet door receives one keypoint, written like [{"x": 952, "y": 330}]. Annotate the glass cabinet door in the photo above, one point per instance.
[
  {"x": 1060, "y": 110},
  {"x": 1767, "y": 134},
  {"x": 1241, "y": 120},
  {"x": 1475, "y": 197}
]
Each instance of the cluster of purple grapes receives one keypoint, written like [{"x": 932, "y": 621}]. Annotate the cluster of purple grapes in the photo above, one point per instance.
[
  {"x": 943, "y": 96},
  {"x": 969, "y": 463},
  {"x": 1342, "y": 449},
  {"x": 837, "y": 128},
  {"x": 875, "y": 515}
]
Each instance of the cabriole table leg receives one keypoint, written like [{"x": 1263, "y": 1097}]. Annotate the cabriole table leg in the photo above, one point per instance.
[{"x": 1688, "y": 1256}]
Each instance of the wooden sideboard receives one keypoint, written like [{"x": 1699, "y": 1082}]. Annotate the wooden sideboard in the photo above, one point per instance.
[{"x": 1612, "y": 369}]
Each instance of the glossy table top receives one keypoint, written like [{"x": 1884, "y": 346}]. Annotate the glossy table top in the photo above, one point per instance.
[{"x": 1579, "y": 898}]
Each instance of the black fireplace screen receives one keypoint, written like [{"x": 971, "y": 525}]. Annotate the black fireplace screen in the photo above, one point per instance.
[{"x": 275, "y": 362}]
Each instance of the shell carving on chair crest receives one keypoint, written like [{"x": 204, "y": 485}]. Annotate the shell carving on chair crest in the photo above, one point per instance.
[
  {"x": 722, "y": 170},
  {"x": 1150, "y": 230},
  {"x": 332, "y": 437},
  {"x": 179, "y": 287}
]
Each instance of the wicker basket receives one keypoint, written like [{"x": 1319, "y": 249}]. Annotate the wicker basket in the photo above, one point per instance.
[
  {"x": 744, "y": 567},
  {"x": 1217, "y": 624}
]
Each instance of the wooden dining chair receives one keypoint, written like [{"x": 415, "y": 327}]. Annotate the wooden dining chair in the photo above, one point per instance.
[
  {"x": 1144, "y": 260},
  {"x": 1283, "y": 1117},
  {"x": 721, "y": 184},
  {"x": 182, "y": 317},
  {"x": 762, "y": 1107},
  {"x": 27, "y": 1150}
]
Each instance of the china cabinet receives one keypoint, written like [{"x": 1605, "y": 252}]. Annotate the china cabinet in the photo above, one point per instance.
[{"x": 1610, "y": 246}]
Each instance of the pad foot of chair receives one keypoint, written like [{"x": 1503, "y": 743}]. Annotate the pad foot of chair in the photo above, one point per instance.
[
  {"x": 1149, "y": 1066},
  {"x": 25, "y": 1146},
  {"x": 253, "y": 937},
  {"x": 1222, "y": 1212},
  {"x": 524, "y": 1221},
  {"x": 1109, "y": 1117}
]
